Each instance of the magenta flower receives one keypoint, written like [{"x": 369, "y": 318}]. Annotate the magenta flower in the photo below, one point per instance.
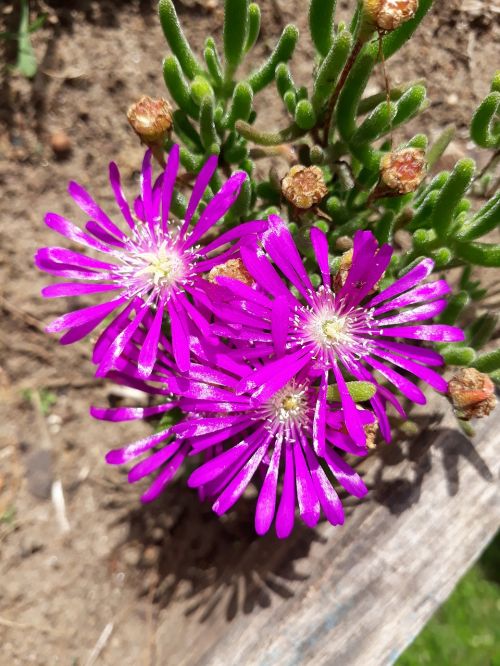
[
  {"x": 241, "y": 440},
  {"x": 155, "y": 263},
  {"x": 327, "y": 335}
]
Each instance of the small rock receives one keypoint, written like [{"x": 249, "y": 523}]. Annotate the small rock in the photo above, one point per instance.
[
  {"x": 39, "y": 473},
  {"x": 60, "y": 144}
]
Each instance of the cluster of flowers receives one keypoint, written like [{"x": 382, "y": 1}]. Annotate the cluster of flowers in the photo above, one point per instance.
[{"x": 233, "y": 332}]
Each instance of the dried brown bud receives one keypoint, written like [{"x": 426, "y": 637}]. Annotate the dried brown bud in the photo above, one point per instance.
[
  {"x": 343, "y": 271},
  {"x": 403, "y": 170},
  {"x": 303, "y": 186},
  {"x": 371, "y": 431},
  {"x": 390, "y": 14},
  {"x": 235, "y": 269},
  {"x": 472, "y": 394},
  {"x": 151, "y": 119}
]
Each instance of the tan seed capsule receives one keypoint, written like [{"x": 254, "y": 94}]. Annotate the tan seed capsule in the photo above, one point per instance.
[
  {"x": 403, "y": 170},
  {"x": 303, "y": 186},
  {"x": 388, "y": 15},
  {"x": 151, "y": 119},
  {"x": 472, "y": 394},
  {"x": 233, "y": 268}
]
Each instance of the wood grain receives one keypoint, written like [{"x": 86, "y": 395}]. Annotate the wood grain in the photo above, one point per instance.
[{"x": 366, "y": 589}]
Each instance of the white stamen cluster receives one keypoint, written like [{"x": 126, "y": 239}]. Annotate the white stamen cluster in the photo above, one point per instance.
[
  {"x": 290, "y": 406},
  {"x": 152, "y": 266},
  {"x": 333, "y": 328}
]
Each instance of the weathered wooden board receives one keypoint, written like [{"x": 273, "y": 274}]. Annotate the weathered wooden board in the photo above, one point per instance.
[{"x": 366, "y": 589}]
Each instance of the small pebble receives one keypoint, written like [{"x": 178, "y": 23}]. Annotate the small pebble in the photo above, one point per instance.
[{"x": 60, "y": 144}]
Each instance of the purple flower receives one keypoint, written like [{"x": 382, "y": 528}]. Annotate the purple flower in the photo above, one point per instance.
[
  {"x": 241, "y": 440},
  {"x": 155, "y": 263},
  {"x": 327, "y": 335}
]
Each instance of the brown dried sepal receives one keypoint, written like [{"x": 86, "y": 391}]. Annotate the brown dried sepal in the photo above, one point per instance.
[
  {"x": 151, "y": 119},
  {"x": 387, "y": 15},
  {"x": 233, "y": 268},
  {"x": 304, "y": 187},
  {"x": 472, "y": 394},
  {"x": 403, "y": 170}
]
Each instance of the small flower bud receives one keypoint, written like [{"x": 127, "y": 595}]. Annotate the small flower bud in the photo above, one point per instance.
[
  {"x": 303, "y": 186},
  {"x": 151, "y": 119},
  {"x": 341, "y": 275},
  {"x": 233, "y": 268},
  {"x": 403, "y": 170},
  {"x": 472, "y": 394},
  {"x": 388, "y": 15}
]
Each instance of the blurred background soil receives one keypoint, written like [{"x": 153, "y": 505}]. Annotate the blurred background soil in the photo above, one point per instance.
[{"x": 89, "y": 585}]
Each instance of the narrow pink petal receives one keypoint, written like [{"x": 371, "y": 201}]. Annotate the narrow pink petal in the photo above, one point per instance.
[
  {"x": 153, "y": 461},
  {"x": 352, "y": 419},
  {"x": 217, "y": 207},
  {"x": 164, "y": 477},
  {"x": 199, "y": 187},
  {"x": 116, "y": 414},
  {"x": 426, "y": 311},
  {"x": 404, "y": 385},
  {"x": 431, "y": 332},
  {"x": 329, "y": 500},
  {"x": 84, "y": 201},
  {"x": 425, "y": 374},
  {"x": 425, "y": 292},
  {"x": 169, "y": 178},
  {"x": 146, "y": 188},
  {"x": 68, "y": 289},
  {"x": 309, "y": 506},
  {"x": 71, "y": 231},
  {"x": 319, "y": 419},
  {"x": 266, "y": 502},
  {"x": 180, "y": 335},
  {"x": 413, "y": 277},
  {"x": 236, "y": 487},
  {"x": 285, "y": 516},
  {"x": 280, "y": 313},
  {"x": 218, "y": 465},
  {"x": 345, "y": 475},
  {"x": 78, "y": 317},
  {"x": 116, "y": 186},
  {"x": 320, "y": 247},
  {"x": 123, "y": 455}
]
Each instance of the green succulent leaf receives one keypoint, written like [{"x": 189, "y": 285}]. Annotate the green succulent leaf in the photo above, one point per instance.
[
  {"x": 321, "y": 21},
  {"x": 282, "y": 53},
  {"x": 177, "y": 40},
  {"x": 359, "y": 391}
]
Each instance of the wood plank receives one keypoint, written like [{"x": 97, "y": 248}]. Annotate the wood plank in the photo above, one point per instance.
[{"x": 366, "y": 589}]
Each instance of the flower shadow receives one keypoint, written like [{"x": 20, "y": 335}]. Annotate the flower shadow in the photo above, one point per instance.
[
  {"x": 400, "y": 492},
  {"x": 189, "y": 555}
]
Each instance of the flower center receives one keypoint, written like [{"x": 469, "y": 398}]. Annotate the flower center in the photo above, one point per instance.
[
  {"x": 289, "y": 405},
  {"x": 165, "y": 267},
  {"x": 333, "y": 329}
]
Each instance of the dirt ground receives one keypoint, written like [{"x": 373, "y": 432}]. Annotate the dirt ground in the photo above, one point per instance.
[{"x": 106, "y": 569}]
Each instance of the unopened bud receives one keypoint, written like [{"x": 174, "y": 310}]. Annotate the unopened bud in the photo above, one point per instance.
[
  {"x": 303, "y": 186},
  {"x": 472, "y": 394},
  {"x": 388, "y": 15},
  {"x": 344, "y": 267},
  {"x": 233, "y": 268},
  {"x": 403, "y": 170},
  {"x": 151, "y": 120}
]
